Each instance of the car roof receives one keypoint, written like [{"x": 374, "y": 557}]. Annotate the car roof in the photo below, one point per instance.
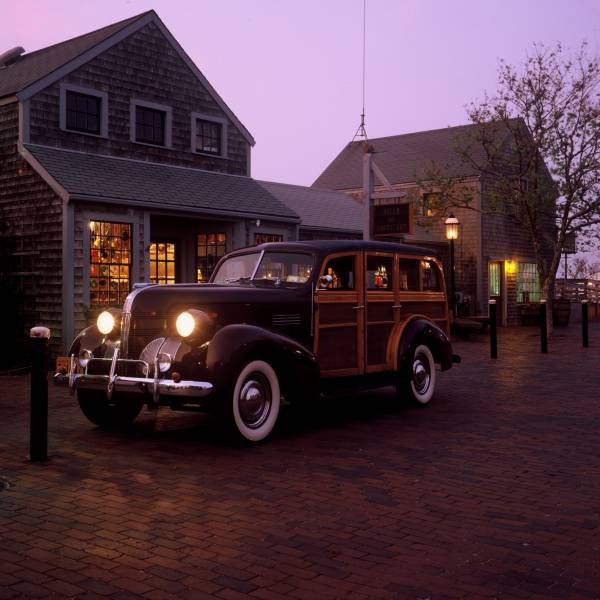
[{"x": 334, "y": 246}]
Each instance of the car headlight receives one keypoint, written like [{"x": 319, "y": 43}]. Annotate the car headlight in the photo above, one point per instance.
[
  {"x": 105, "y": 322},
  {"x": 194, "y": 324},
  {"x": 185, "y": 324}
]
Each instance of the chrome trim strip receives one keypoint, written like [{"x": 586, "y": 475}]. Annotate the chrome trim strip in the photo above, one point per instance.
[
  {"x": 262, "y": 253},
  {"x": 138, "y": 385},
  {"x": 112, "y": 376}
]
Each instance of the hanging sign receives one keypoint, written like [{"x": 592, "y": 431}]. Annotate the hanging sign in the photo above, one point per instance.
[{"x": 391, "y": 218}]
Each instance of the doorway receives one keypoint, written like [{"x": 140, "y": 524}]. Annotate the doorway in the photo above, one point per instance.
[{"x": 496, "y": 287}]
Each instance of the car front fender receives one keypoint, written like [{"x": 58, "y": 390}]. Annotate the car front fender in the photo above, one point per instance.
[{"x": 234, "y": 345}]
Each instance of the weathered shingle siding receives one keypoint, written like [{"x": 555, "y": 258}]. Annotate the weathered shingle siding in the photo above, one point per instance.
[
  {"x": 31, "y": 231},
  {"x": 144, "y": 66}
]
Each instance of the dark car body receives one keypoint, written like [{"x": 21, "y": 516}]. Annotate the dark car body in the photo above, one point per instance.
[{"x": 362, "y": 326}]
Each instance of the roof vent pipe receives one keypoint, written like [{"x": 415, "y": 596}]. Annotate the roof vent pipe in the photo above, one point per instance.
[{"x": 11, "y": 55}]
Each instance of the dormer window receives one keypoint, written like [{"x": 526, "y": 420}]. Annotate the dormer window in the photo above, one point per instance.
[
  {"x": 150, "y": 123},
  {"x": 209, "y": 135},
  {"x": 83, "y": 110}
]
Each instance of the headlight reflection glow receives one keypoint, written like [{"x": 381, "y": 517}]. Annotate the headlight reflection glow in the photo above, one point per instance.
[{"x": 185, "y": 324}]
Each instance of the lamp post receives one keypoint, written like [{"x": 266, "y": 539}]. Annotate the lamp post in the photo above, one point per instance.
[{"x": 451, "y": 235}]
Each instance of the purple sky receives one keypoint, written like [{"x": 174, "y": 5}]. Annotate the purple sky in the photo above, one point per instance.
[{"x": 291, "y": 70}]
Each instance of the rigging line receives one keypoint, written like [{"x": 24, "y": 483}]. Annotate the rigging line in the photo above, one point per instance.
[{"x": 362, "y": 131}]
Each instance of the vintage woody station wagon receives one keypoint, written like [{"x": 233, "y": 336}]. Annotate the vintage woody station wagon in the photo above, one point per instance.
[{"x": 279, "y": 320}]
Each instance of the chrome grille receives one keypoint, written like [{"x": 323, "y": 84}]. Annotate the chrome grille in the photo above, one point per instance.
[{"x": 288, "y": 319}]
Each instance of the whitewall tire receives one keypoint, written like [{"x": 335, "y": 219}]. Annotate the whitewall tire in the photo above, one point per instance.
[
  {"x": 255, "y": 401},
  {"x": 421, "y": 385}
]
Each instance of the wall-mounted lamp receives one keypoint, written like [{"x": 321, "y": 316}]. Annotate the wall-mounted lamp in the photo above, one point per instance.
[{"x": 257, "y": 223}]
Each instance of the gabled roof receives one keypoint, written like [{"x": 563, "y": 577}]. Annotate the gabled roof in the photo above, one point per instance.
[
  {"x": 31, "y": 67},
  {"x": 35, "y": 71},
  {"x": 86, "y": 176},
  {"x": 402, "y": 158},
  {"x": 319, "y": 208}
]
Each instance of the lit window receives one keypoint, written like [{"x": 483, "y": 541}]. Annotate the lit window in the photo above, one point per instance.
[
  {"x": 162, "y": 262},
  {"x": 211, "y": 247},
  {"x": 528, "y": 283},
  {"x": 263, "y": 238},
  {"x": 494, "y": 278},
  {"x": 431, "y": 204},
  {"x": 110, "y": 262},
  {"x": 209, "y": 136},
  {"x": 379, "y": 274},
  {"x": 430, "y": 277}
]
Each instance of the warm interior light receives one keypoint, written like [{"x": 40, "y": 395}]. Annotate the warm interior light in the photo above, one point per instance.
[
  {"x": 92, "y": 225},
  {"x": 510, "y": 266},
  {"x": 451, "y": 228},
  {"x": 185, "y": 324},
  {"x": 105, "y": 322}
]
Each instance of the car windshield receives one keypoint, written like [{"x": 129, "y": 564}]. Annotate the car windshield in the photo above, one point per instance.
[{"x": 277, "y": 267}]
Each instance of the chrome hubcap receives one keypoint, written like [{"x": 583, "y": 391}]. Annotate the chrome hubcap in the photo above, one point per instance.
[
  {"x": 255, "y": 401},
  {"x": 421, "y": 374}
]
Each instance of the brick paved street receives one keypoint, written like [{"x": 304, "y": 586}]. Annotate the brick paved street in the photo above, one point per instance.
[{"x": 491, "y": 491}]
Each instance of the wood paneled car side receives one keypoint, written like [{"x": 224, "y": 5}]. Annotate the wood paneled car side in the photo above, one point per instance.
[{"x": 277, "y": 320}]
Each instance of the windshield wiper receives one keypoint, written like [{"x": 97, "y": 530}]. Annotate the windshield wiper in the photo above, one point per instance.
[{"x": 237, "y": 279}]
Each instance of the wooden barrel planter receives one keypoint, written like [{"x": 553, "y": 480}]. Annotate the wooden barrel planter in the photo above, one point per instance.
[{"x": 561, "y": 312}]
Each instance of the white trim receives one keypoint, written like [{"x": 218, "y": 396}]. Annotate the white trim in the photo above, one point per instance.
[
  {"x": 196, "y": 71},
  {"x": 68, "y": 87},
  {"x": 224, "y": 133},
  {"x": 108, "y": 217},
  {"x": 98, "y": 49},
  {"x": 68, "y": 276},
  {"x": 24, "y": 128},
  {"x": 41, "y": 171},
  {"x": 249, "y": 160},
  {"x": 78, "y": 61},
  {"x": 154, "y": 106}
]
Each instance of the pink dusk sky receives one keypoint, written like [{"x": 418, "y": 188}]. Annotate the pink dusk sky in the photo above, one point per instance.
[{"x": 292, "y": 70}]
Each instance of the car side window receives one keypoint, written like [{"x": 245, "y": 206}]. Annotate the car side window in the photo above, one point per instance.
[
  {"x": 380, "y": 272},
  {"x": 430, "y": 276},
  {"x": 341, "y": 271},
  {"x": 409, "y": 275}
]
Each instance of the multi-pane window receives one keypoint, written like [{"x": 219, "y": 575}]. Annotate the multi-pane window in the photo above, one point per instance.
[
  {"x": 263, "y": 238},
  {"x": 431, "y": 204},
  {"x": 209, "y": 136},
  {"x": 162, "y": 262},
  {"x": 110, "y": 262},
  {"x": 528, "y": 283},
  {"x": 210, "y": 248},
  {"x": 150, "y": 125},
  {"x": 83, "y": 112}
]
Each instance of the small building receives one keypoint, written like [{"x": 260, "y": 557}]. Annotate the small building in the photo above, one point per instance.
[
  {"x": 121, "y": 163},
  {"x": 494, "y": 252}
]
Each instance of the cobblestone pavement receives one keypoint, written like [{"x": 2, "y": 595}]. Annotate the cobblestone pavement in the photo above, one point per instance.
[{"x": 491, "y": 491}]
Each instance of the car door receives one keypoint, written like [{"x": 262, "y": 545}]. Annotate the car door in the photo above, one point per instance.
[
  {"x": 339, "y": 316},
  {"x": 381, "y": 307}
]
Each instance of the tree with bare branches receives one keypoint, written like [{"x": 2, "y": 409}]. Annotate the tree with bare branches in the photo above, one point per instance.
[{"x": 537, "y": 141}]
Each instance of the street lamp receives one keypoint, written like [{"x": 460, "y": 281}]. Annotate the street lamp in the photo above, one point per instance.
[{"x": 452, "y": 234}]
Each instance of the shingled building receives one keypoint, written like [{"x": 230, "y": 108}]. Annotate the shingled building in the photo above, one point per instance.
[
  {"x": 119, "y": 163},
  {"x": 495, "y": 256}
]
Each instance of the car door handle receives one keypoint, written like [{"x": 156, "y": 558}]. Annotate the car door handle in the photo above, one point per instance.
[
  {"x": 358, "y": 307},
  {"x": 396, "y": 305}
]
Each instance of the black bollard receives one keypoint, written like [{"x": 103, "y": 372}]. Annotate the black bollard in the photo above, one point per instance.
[
  {"x": 585, "y": 324},
  {"x": 38, "y": 424},
  {"x": 543, "y": 326},
  {"x": 493, "y": 330}
]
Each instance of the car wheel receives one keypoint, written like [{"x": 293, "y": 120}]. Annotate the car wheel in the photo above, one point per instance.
[
  {"x": 255, "y": 401},
  {"x": 421, "y": 385},
  {"x": 119, "y": 412}
]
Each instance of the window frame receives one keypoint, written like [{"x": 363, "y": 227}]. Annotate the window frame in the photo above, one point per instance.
[
  {"x": 165, "y": 261},
  {"x": 195, "y": 117},
  {"x": 218, "y": 256},
  {"x": 519, "y": 282},
  {"x": 103, "y": 113},
  {"x": 268, "y": 234},
  {"x": 108, "y": 219},
  {"x": 168, "y": 110}
]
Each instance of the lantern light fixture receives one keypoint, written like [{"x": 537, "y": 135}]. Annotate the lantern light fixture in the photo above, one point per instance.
[{"x": 451, "y": 227}]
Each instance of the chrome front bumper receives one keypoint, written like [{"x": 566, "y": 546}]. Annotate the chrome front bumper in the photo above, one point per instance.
[{"x": 152, "y": 387}]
